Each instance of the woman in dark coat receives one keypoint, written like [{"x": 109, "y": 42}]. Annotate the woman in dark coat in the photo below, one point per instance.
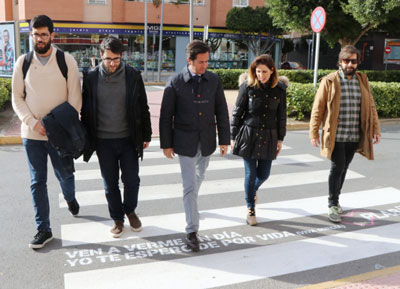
[{"x": 258, "y": 125}]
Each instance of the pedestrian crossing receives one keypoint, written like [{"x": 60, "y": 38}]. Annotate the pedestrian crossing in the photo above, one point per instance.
[{"x": 292, "y": 235}]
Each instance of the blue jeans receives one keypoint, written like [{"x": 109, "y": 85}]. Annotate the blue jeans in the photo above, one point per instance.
[
  {"x": 256, "y": 173},
  {"x": 193, "y": 171},
  {"x": 36, "y": 152},
  {"x": 113, "y": 155}
]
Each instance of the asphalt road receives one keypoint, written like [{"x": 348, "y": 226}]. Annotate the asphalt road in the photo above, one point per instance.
[{"x": 294, "y": 244}]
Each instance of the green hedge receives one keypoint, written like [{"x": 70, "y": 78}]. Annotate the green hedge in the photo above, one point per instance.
[
  {"x": 300, "y": 98},
  {"x": 230, "y": 77},
  {"x": 5, "y": 91}
]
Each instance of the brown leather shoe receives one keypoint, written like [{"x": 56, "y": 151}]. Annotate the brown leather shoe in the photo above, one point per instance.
[
  {"x": 192, "y": 242},
  {"x": 118, "y": 228},
  {"x": 134, "y": 221}
]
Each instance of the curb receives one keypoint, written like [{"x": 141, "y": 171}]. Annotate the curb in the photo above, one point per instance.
[
  {"x": 10, "y": 140},
  {"x": 355, "y": 279},
  {"x": 14, "y": 140},
  {"x": 161, "y": 83}
]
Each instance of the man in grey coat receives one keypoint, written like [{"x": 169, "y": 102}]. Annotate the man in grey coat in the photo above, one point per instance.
[{"x": 193, "y": 106}]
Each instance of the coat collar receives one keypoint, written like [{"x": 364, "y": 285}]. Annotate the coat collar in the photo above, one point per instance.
[{"x": 187, "y": 76}]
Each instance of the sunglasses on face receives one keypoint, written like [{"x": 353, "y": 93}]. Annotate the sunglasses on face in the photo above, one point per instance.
[{"x": 346, "y": 61}]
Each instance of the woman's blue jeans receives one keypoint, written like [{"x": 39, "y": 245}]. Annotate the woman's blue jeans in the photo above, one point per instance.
[
  {"x": 37, "y": 152},
  {"x": 256, "y": 173}
]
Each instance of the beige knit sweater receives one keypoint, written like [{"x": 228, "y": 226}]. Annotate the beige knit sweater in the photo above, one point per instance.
[{"x": 45, "y": 88}]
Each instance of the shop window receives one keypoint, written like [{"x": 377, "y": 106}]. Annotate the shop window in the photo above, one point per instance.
[
  {"x": 240, "y": 3},
  {"x": 100, "y": 2}
]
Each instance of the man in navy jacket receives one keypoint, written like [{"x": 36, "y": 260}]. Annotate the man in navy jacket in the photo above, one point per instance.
[{"x": 193, "y": 106}]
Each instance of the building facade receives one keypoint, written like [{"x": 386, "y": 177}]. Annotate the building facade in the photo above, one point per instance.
[{"x": 80, "y": 26}]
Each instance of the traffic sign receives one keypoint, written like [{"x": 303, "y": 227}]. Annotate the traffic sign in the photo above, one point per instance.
[
  {"x": 318, "y": 19},
  {"x": 388, "y": 49}
]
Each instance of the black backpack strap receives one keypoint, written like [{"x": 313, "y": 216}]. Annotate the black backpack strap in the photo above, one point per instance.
[
  {"x": 61, "y": 63},
  {"x": 27, "y": 63}
]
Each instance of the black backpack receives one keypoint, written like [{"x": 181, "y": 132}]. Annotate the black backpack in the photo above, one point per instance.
[{"x": 60, "y": 61}]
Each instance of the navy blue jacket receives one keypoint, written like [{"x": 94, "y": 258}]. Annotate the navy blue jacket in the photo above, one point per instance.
[
  {"x": 65, "y": 131},
  {"x": 189, "y": 117}
]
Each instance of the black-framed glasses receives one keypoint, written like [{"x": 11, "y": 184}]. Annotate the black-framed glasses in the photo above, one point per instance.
[
  {"x": 347, "y": 61},
  {"x": 109, "y": 60},
  {"x": 43, "y": 36}
]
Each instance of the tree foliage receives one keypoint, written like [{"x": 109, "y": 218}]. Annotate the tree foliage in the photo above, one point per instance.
[
  {"x": 346, "y": 20},
  {"x": 252, "y": 23}
]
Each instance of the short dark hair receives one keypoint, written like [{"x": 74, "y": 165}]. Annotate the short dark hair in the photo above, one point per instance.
[
  {"x": 42, "y": 21},
  {"x": 196, "y": 47},
  {"x": 347, "y": 51},
  {"x": 112, "y": 43}
]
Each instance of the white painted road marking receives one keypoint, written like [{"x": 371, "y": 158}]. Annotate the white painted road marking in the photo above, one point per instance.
[
  {"x": 214, "y": 165},
  {"x": 151, "y": 155},
  {"x": 98, "y": 232},
  {"x": 158, "y": 192},
  {"x": 244, "y": 265}
]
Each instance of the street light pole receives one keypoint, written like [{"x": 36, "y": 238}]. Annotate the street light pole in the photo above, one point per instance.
[
  {"x": 191, "y": 21},
  {"x": 160, "y": 41},
  {"x": 145, "y": 40}
]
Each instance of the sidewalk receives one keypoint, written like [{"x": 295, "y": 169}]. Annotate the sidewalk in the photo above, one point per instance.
[
  {"x": 10, "y": 124},
  {"x": 388, "y": 278}
]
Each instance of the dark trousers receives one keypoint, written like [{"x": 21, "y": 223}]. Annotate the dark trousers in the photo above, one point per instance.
[
  {"x": 113, "y": 155},
  {"x": 342, "y": 156}
]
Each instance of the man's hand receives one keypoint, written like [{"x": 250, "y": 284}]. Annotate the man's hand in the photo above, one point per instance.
[
  {"x": 377, "y": 138},
  {"x": 39, "y": 128},
  {"x": 278, "y": 148},
  {"x": 223, "y": 149},
  {"x": 315, "y": 142},
  {"x": 146, "y": 144},
  {"x": 169, "y": 153}
]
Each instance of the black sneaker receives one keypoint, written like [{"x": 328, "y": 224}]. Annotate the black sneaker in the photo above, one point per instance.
[
  {"x": 73, "y": 207},
  {"x": 192, "y": 242},
  {"x": 41, "y": 239}
]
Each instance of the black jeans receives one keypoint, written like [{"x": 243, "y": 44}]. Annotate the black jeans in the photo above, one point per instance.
[
  {"x": 342, "y": 156},
  {"x": 115, "y": 155}
]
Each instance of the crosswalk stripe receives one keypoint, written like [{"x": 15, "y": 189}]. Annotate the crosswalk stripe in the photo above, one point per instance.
[
  {"x": 158, "y": 192},
  {"x": 149, "y": 155},
  {"x": 214, "y": 165},
  {"x": 98, "y": 232},
  {"x": 244, "y": 265}
]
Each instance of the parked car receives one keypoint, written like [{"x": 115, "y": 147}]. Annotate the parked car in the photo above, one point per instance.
[{"x": 292, "y": 65}]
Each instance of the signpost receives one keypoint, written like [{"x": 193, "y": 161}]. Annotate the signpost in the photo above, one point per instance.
[{"x": 318, "y": 20}]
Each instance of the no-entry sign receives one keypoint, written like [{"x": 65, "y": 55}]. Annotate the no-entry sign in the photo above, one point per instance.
[
  {"x": 318, "y": 19},
  {"x": 388, "y": 49}
]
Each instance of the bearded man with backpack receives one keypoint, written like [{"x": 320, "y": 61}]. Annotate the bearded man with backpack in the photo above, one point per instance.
[{"x": 42, "y": 80}]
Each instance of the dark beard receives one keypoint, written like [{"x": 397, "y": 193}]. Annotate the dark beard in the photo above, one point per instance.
[
  {"x": 44, "y": 49},
  {"x": 349, "y": 72}
]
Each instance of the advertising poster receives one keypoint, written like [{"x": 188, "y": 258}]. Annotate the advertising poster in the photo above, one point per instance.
[{"x": 7, "y": 49}]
